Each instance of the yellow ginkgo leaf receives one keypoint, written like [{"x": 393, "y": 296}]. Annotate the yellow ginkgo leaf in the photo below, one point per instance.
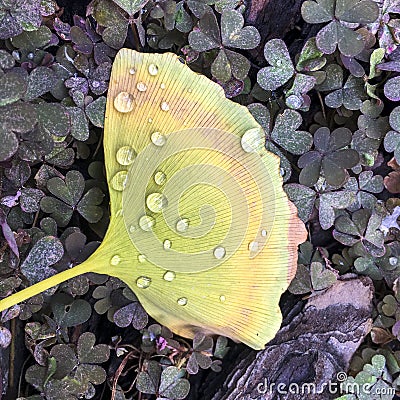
[{"x": 200, "y": 229}]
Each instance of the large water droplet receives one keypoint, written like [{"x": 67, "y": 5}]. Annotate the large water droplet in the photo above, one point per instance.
[
  {"x": 169, "y": 276},
  {"x": 182, "y": 301},
  {"x": 253, "y": 246},
  {"x": 222, "y": 298},
  {"x": 156, "y": 202},
  {"x": 251, "y": 140},
  {"x": 158, "y": 138},
  {"x": 147, "y": 222},
  {"x": 153, "y": 69},
  {"x": 219, "y": 252},
  {"x": 142, "y": 258},
  {"x": 393, "y": 260},
  {"x": 143, "y": 282},
  {"x": 119, "y": 180},
  {"x": 160, "y": 178},
  {"x": 124, "y": 102},
  {"x": 115, "y": 260},
  {"x": 141, "y": 86},
  {"x": 164, "y": 106},
  {"x": 167, "y": 244},
  {"x": 182, "y": 225},
  {"x": 126, "y": 155}
]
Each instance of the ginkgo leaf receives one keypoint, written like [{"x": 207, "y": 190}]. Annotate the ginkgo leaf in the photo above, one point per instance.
[{"x": 200, "y": 227}]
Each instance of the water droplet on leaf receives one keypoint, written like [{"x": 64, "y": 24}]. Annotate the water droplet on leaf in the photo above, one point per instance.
[
  {"x": 182, "y": 301},
  {"x": 264, "y": 233},
  {"x": 158, "y": 138},
  {"x": 393, "y": 260},
  {"x": 156, "y": 202},
  {"x": 160, "y": 178},
  {"x": 162, "y": 86},
  {"x": 143, "y": 282},
  {"x": 125, "y": 155},
  {"x": 182, "y": 225},
  {"x": 253, "y": 246},
  {"x": 141, "y": 86},
  {"x": 147, "y": 222},
  {"x": 115, "y": 260},
  {"x": 164, "y": 106},
  {"x": 142, "y": 258},
  {"x": 167, "y": 244},
  {"x": 124, "y": 102},
  {"x": 251, "y": 140},
  {"x": 222, "y": 298},
  {"x": 118, "y": 182},
  {"x": 219, "y": 252},
  {"x": 132, "y": 71},
  {"x": 153, "y": 69},
  {"x": 169, "y": 276}
]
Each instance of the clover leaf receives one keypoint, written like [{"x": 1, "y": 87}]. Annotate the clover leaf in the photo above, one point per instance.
[
  {"x": 281, "y": 69},
  {"x": 16, "y": 16},
  {"x": 208, "y": 36},
  {"x": 392, "y": 138},
  {"x": 336, "y": 33},
  {"x": 286, "y": 135},
  {"x": 46, "y": 252},
  {"x": 201, "y": 355},
  {"x": 367, "y": 184},
  {"x": 69, "y": 198},
  {"x": 361, "y": 231},
  {"x": 331, "y": 158}
]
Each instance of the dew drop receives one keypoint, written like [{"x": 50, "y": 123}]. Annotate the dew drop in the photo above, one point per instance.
[
  {"x": 162, "y": 86},
  {"x": 392, "y": 261},
  {"x": 253, "y": 246},
  {"x": 150, "y": 120},
  {"x": 143, "y": 282},
  {"x": 142, "y": 258},
  {"x": 126, "y": 155},
  {"x": 219, "y": 252},
  {"x": 118, "y": 182},
  {"x": 158, "y": 138},
  {"x": 169, "y": 276},
  {"x": 182, "y": 301},
  {"x": 30, "y": 56},
  {"x": 164, "y": 106},
  {"x": 222, "y": 298},
  {"x": 251, "y": 140},
  {"x": 132, "y": 229},
  {"x": 264, "y": 232},
  {"x": 278, "y": 63},
  {"x": 124, "y": 102},
  {"x": 141, "y": 86},
  {"x": 146, "y": 223},
  {"x": 282, "y": 171},
  {"x": 153, "y": 69},
  {"x": 95, "y": 84},
  {"x": 115, "y": 260},
  {"x": 132, "y": 71},
  {"x": 160, "y": 178},
  {"x": 182, "y": 225},
  {"x": 156, "y": 202},
  {"x": 167, "y": 244}
]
